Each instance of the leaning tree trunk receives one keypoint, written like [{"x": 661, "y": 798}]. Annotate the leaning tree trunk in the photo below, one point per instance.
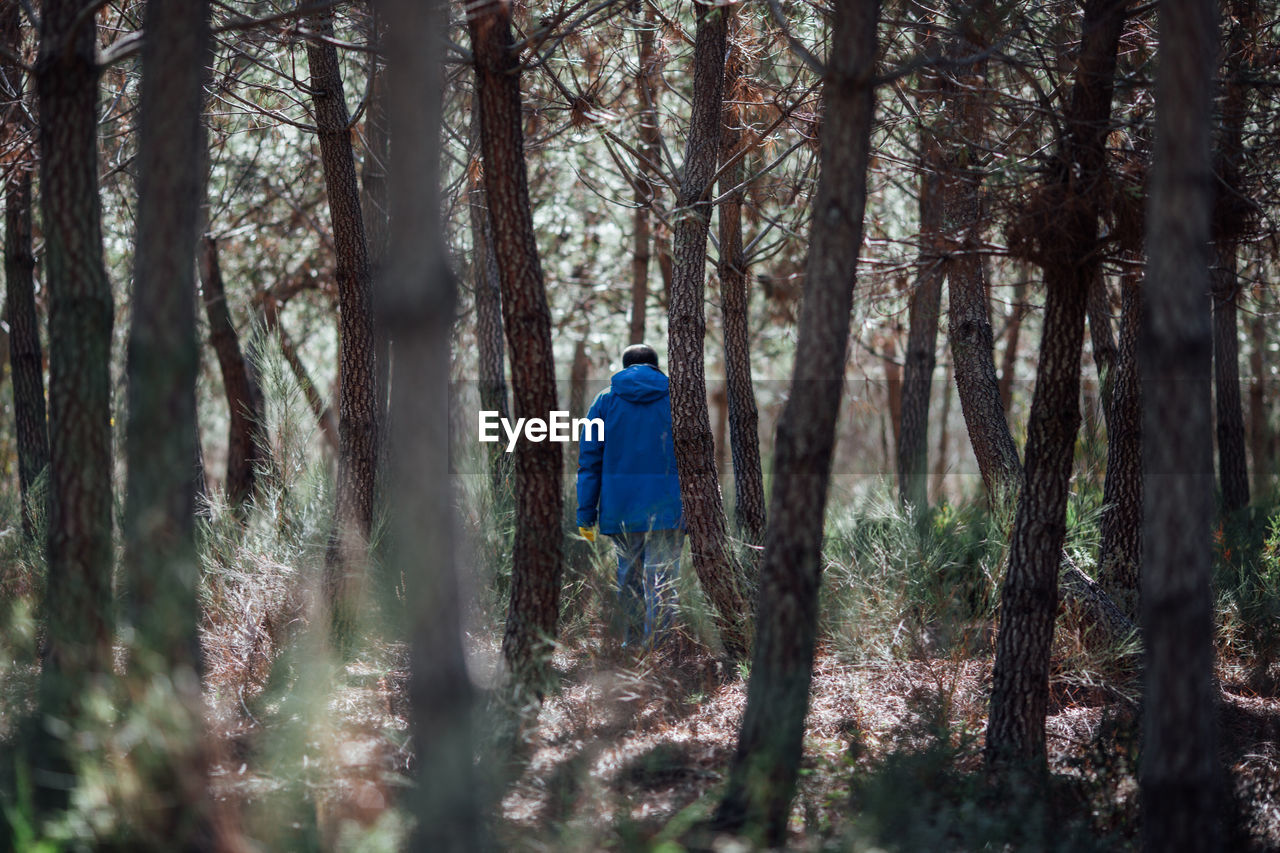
[
  {"x": 162, "y": 569},
  {"x": 1068, "y": 254},
  {"x": 376, "y": 217},
  {"x": 246, "y": 437},
  {"x": 345, "y": 556},
  {"x": 765, "y": 766},
  {"x": 79, "y": 625},
  {"x": 26, "y": 364},
  {"x": 1009, "y": 361},
  {"x": 1120, "y": 556},
  {"x": 969, "y": 320},
  {"x": 1179, "y": 762},
  {"x": 536, "y": 557},
  {"x": 924, "y": 304},
  {"x": 416, "y": 303},
  {"x": 744, "y": 434},
  {"x": 686, "y": 330}
]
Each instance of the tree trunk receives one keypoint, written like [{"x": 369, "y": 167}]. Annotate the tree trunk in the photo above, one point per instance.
[
  {"x": 1229, "y": 224},
  {"x": 491, "y": 367},
  {"x": 1102, "y": 341},
  {"x": 246, "y": 438},
  {"x": 79, "y": 629},
  {"x": 416, "y": 304},
  {"x": 686, "y": 330},
  {"x": 26, "y": 363},
  {"x": 1120, "y": 557},
  {"x": 326, "y": 420},
  {"x": 162, "y": 570},
  {"x": 923, "y": 308},
  {"x": 1029, "y": 597},
  {"x": 1259, "y": 428},
  {"x": 1233, "y": 471},
  {"x": 646, "y": 190},
  {"x": 940, "y": 466},
  {"x": 766, "y": 763},
  {"x": 969, "y": 320},
  {"x": 536, "y": 558},
  {"x": 374, "y": 212},
  {"x": 744, "y": 418},
  {"x": 1009, "y": 363},
  {"x": 345, "y": 556},
  {"x": 1179, "y": 761}
]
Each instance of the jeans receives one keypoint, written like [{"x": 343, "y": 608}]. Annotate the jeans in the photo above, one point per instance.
[{"x": 648, "y": 565}]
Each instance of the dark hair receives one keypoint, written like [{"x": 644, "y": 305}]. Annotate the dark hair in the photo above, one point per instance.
[{"x": 639, "y": 354}]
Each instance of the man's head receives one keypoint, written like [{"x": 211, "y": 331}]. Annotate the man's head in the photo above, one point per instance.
[{"x": 639, "y": 354}]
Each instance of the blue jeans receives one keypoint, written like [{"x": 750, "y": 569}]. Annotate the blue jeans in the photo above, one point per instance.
[{"x": 648, "y": 565}]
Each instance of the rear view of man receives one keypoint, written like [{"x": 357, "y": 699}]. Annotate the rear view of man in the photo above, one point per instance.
[{"x": 627, "y": 484}]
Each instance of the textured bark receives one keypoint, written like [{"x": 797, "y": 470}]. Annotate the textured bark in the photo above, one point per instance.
[
  {"x": 1029, "y": 596},
  {"x": 744, "y": 419},
  {"x": 1179, "y": 762},
  {"x": 1009, "y": 362},
  {"x": 416, "y": 296},
  {"x": 1102, "y": 341},
  {"x": 161, "y": 567},
  {"x": 1120, "y": 557},
  {"x": 246, "y": 436},
  {"x": 373, "y": 204},
  {"x": 358, "y": 411},
  {"x": 763, "y": 774},
  {"x": 645, "y": 189},
  {"x": 1233, "y": 470},
  {"x": 536, "y": 558},
  {"x": 1259, "y": 428},
  {"x": 25, "y": 359},
  {"x": 686, "y": 330},
  {"x": 79, "y": 627},
  {"x": 491, "y": 369},
  {"x": 923, "y": 308},
  {"x": 969, "y": 319}
]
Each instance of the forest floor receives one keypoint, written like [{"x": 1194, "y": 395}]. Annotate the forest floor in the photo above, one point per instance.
[{"x": 630, "y": 751}]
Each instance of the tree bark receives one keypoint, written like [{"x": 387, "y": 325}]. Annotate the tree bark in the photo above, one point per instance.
[
  {"x": 1259, "y": 428},
  {"x": 79, "y": 626},
  {"x": 1029, "y": 596},
  {"x": 161, "y": 450},
  {"x": 924, "y": 305},
  {"x": 345, "y": 555},
  {"x": 763, "y": 774},
  {"x": 491, "y": 368},
  {"x": 1179, "y": 762},
  {"x": 1009, "y": 363},
  {"x": 416, "y": 294},
  {"x": 686, "y": 330},
  {"x": 744, "y": 432},
  {"x": 645, "y": 189},
  {"x": 536, "y": 558},
  {"x": 1102, "y": 341},
  {"x": 1120, "y": 557},
  {"x": 26, "y": 362},
  {"x": 375, "y": 214},
  {"x": 1233, "y": 471},
  {"x": 1229, "y": 221},
  {"x": 246, "y": 436},
  {"x": 969, "y": 319}
]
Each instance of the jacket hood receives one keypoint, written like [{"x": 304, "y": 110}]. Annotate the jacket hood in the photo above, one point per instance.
[{"x": 640, "y": 383}]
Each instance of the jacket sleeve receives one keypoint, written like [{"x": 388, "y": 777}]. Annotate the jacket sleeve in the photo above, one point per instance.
[{"x": 590, "y": 465}]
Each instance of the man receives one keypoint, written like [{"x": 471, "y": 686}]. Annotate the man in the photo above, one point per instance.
[{"x": 627, "y": 485}]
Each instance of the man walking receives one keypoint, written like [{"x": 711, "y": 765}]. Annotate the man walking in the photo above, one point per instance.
[{"x": 627, "y": 484}]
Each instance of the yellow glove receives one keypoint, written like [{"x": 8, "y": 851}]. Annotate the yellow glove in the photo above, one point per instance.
[{"x": 587, "y": 533}]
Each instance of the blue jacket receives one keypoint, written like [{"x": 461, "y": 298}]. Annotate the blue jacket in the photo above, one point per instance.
[{"x": 628, "y": 481}]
